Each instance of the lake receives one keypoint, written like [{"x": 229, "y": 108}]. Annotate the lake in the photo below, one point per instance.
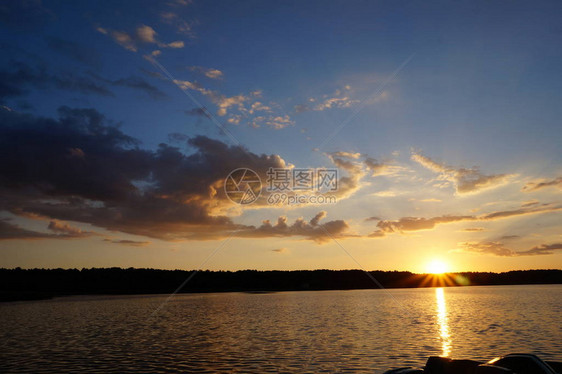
[{"x": 316, "y": 331}]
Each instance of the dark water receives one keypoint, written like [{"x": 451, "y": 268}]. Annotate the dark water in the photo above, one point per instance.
[{"x": 329, "y": 331}]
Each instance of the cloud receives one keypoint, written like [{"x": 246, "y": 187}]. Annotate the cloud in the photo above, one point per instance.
[
  {"x": 498, "y": 249},
  {"x": 349, "y": 184},
  {"x": 146, "y": 34},
  {"x": 301, "y": 108},
  {"x": 177, "y": 44},
  {"x": 124, "y": 40},
  {"x": 9, "y": 231},
  {"x": 179, "y": 3},
  {"x": 418, "y": 223},
  {"x": 25, "y": 16},
  {"x": 239, "y": 102},
  {"x": 113, "y": 183},
  {"x": 537, "y": 185},
  {"x": 84, "y": 55},
  {"x": 208, "y": 72},
  {"x": 474, "y": 229},
  {"x": 509, "y": 237},
  {"x": 280, "y": 250},
  {"x": 544, "y": 208},
  {"x": 132, "y": 243},
  {"x": 275, "y": 122},
  {"x": 259, "y": 107},
  {"x": 313, "y": 230},
  {"x": 405, "y": 224},
  {"x": 136, "y": 83},
  {"x": 530, "y": 203},
  {"x": 353, "y": 155},
  {"x": 59, "y": 230},
  {"x": 339, "y": 99},
  {"x": 381, "y": 168},
  {"x": 223, "y": 102},
  {"x": 142, "y": 35},
  {"x": 18, "y": 77},
  {"x": 200, "y": 112},
  {"x": 335, "y": 102},
  {"x": 279, "y": 122},
  {"x": 181, "y": 25},
  {"x": 65, "y": 229},
  {"x": 466, "y": 180}
]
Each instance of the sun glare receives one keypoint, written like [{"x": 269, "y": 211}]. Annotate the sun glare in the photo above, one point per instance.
[{"x": 436, "y": 267}]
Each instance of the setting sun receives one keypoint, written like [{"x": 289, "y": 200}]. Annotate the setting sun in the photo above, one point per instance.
[{"x": 437, "y": 267}]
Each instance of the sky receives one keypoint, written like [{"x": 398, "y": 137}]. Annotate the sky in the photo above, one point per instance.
[{"x": 121, "y": 122}]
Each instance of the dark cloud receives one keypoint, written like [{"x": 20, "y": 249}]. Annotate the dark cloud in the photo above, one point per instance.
[
  {"x": 498, "y": 249},
  {"x": 17, "y": 79},
  {"x": 80, "y": 168},
  {"x": 200, "y": 112},
  {"x": 530, "y": 203},
  {"x": 25, "y": 15},
  {"x": 509, "y": 237},
  {"x": 533, "y": 186},
  {"x": 136, "y": 83},
  {"x": 85, "y": 55},
  {"x": 59, "y": 230},
  {"x": 301, "y": 108},
  {"x": 10, "y": 230},
  {"x": 132, "y": 243},
  {"x": 153, "y": 74}
]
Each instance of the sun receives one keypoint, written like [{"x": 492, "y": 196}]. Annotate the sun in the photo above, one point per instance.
[{"x": 437, "y": 267}]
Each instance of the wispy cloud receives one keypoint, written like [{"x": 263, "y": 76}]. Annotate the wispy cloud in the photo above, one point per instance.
[
  {"x": 406, "y": 224},
  {"x": 340, "y": 98},
  {"x": 142, "y": 35},
  {"x": 498, "y": 249},
  {"x": 58, "y": 230},
  {"x": 132, "y": 243},
  {"x": 544, "y": 183},
  {"x": 465, "y": 180},
  {"x": 208, "y": 72}
]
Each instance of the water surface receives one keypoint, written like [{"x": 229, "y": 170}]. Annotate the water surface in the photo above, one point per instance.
[{"x": 317, "y": 331}]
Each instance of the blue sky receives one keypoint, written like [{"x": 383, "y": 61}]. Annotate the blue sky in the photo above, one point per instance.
[{"x": 457, "y": 103}]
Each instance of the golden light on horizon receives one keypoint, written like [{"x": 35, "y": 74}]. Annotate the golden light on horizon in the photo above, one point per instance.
[{"x": 437, "y": 266}]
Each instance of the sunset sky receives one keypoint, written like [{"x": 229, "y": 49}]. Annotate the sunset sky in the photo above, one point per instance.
[{"x": 121, "y": 120}]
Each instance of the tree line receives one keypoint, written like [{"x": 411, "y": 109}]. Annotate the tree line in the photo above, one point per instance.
[{"x": 27, "y": 284}]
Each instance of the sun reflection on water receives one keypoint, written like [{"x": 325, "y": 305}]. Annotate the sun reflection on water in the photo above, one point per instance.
[{"x": 443, "y": 323}]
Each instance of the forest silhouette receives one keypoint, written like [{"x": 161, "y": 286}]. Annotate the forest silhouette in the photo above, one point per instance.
[{"x": 29, "y": 284}]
